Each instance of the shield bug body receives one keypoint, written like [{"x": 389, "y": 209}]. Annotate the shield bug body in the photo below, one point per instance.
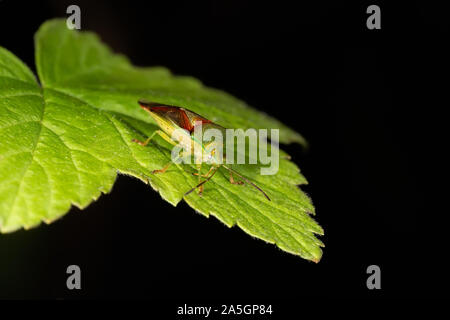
[{"x": 178, "y": 127}]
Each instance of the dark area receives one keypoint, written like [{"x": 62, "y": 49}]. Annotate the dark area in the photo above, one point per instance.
[{"x": 367, "y": 101}]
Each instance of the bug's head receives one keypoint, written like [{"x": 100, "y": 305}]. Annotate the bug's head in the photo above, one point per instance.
[
  {"x": 167, "y": 117},
  {"x": 149, "y": 106}
]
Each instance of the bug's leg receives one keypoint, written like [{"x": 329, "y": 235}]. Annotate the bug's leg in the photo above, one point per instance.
[
  {"x": 159, "y": 132},
  {"x": 199, "y": 175},
  {"x": 235, "y": 182},
  {"x": 163, "y": 169},
  {"x": 200, "y": 188},
  {"x": 144, "y": 143},
  {"x": 203, "y": 175},
  {"x": 214, "y": 170},
  {"x": 199, "y": 169}
]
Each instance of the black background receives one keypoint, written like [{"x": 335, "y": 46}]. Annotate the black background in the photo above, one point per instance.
[{"x": 366, "y": 100}]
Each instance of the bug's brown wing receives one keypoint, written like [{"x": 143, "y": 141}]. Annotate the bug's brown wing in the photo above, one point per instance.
[
  {"x": 194, "y": 118},
  {"x": 182, "y": 117},
  {"x": 176, "y": 114}
]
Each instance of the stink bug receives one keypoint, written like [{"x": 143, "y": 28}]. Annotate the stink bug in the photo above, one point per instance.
[{"x": 171, "y": 118}]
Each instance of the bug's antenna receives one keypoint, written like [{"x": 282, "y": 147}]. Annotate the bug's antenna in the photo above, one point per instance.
[
  {"x": 246, "y": 180},
  {"x": 201, "y": 183}
]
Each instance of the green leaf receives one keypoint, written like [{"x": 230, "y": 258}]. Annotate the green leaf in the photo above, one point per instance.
[{"x": 63, "y": 142}]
